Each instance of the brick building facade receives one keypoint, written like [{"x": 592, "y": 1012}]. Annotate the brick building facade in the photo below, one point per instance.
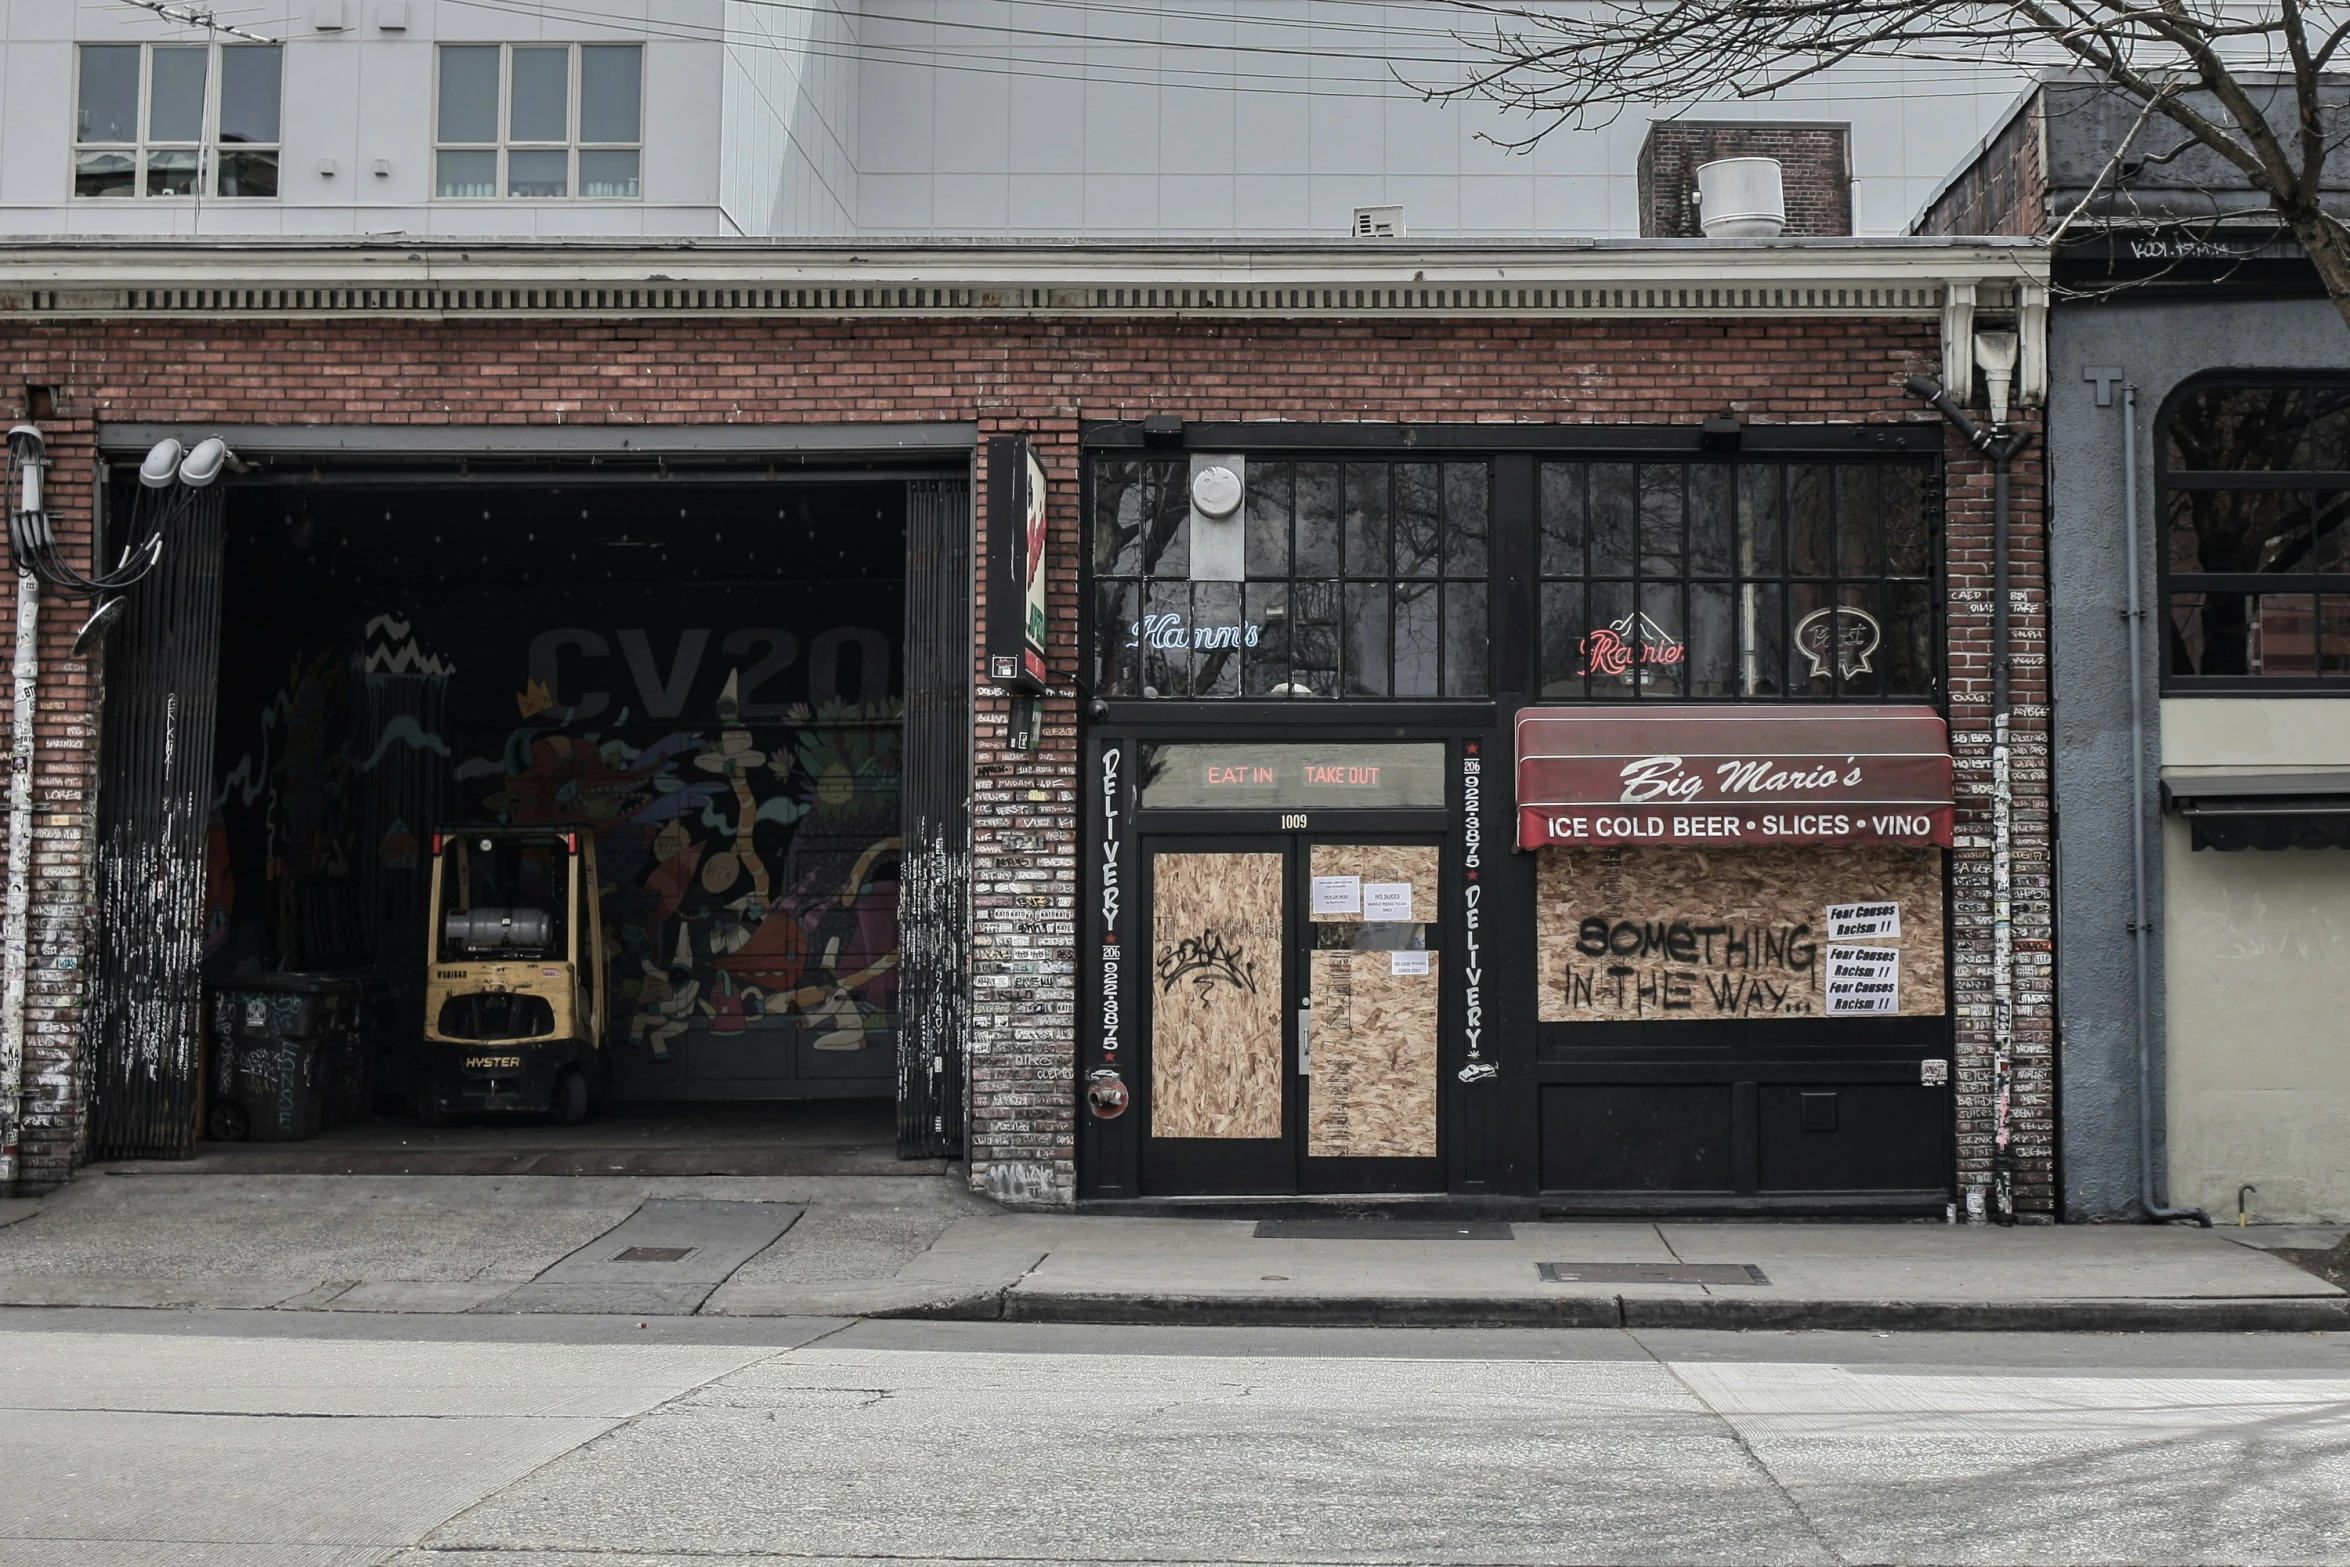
[
  {"x": 1045, "y": 347},
  {"x": 1815, "y": 171}
]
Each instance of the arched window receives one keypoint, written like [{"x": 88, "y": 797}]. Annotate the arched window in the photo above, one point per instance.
[{"x": 2253, "y": 483}]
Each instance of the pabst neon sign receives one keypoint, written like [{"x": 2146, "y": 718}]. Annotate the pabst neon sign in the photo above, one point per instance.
[
  {"x": 1841, "y": 636},
  {"x": 1615, "y": 648}
]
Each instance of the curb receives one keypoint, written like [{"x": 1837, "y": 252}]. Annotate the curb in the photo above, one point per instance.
[{"x": 2243, "y": 1315}]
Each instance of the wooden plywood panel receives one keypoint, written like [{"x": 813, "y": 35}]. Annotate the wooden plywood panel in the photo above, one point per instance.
[
  {"x": 1382, "y": 862},
  {"x": 1690, "y": 935},
  {"x": 1373, "y": 1089},
  {"x": 1216, "y": 1046}
]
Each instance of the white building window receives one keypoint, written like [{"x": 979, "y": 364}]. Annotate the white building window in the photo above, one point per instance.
[
  {"x": 539, "y": 120},
  {"x": 176, "y": 119}
]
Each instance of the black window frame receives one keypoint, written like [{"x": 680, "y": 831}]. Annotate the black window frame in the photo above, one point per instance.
[
  {"x": 1515, "y": 453},
  {"x": 2172, "y": 584},
  {"x": 1777, "y": 586},
  {"x": 1442, "y": 581}
]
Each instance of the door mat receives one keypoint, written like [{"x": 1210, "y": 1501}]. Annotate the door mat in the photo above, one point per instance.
[
  {"x": 1380, "y": 1230},
  {"x": 1652, "y": 1273}
]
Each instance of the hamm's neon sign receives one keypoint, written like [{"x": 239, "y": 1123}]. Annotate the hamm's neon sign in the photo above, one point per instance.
[{"x": 1720, "y": 776}]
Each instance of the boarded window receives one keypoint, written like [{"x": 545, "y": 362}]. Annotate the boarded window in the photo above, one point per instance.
[{"x": 1687, "y": 935}]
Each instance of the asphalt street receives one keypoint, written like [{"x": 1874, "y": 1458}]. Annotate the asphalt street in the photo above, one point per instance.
[{"x": 282, "y": 1438}]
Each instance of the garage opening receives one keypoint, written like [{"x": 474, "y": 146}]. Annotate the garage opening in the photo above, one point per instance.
[{"x": 685, "y": 700}]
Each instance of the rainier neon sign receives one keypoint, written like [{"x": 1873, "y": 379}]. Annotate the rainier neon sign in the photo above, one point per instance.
[{"x": 1616, "y": 647}]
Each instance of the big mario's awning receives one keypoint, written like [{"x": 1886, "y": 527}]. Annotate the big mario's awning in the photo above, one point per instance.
[{"x": 1718, "y": 777}]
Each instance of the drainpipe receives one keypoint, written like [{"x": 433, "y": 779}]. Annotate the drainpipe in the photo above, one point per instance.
[
  {"x": 2001, "y": 448},
  {"x": 2135, "y": 616},
  {"x": 31, "y": 461}
]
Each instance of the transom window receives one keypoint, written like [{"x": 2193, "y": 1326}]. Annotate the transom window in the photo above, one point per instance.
[
  {"x": 176, "y": 120},
  {"x": 539, "y": 120},
  {"x": 1735, "y": 581},
  {"x": 2255, "y": 498},
  {"x": 1340, "y": 579}
]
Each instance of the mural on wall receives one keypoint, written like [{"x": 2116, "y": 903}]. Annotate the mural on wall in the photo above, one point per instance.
[
  {"x": 750, "y": 872},
  {"x": 734, "y": 746}
]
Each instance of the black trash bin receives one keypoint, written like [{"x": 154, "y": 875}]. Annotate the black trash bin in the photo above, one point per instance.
[{"x": 279, "y": 1044}]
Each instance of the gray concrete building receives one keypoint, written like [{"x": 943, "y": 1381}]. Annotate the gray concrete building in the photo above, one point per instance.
[
  {"x": 2198, "y": 374},
  {"x": 843, "y": 118}
]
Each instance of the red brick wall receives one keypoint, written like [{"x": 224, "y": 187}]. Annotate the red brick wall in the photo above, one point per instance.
[
  {"x": 64, "y": 820},
  {"x": 1042, "y": 377},
  {"x": 1815, "y": 172},
  {"x": 2005, "y": 190}
]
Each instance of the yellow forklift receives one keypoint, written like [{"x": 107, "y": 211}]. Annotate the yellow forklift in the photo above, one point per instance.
[{"x": 514, "y": 994}]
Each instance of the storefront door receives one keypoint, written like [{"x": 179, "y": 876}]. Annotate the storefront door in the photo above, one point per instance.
[{"x": 1292, "y": 1014}]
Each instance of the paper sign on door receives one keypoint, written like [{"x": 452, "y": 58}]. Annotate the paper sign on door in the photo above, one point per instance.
[
  {"x": 1338, "y": 895},
  {"x": 1387, "y": 902},
  {"x": 1407, "y": 963}
]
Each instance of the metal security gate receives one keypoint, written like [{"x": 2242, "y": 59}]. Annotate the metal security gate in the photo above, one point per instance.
[
  {"x": 154, "y": 808},
  {"x": 934, "y": 911}
]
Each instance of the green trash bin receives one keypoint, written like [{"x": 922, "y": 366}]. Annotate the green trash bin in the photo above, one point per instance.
[{"x": 278, "y": 1044}]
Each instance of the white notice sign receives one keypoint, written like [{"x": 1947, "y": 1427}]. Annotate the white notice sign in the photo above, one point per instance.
[
  {"x": 1863, "y": 980},
  {"x": 1864, "y": 922},
  {"x": 1407, "y": 963},
  {"x": 1387, "y": 902},
  {"x": 1338, "y": 895}
]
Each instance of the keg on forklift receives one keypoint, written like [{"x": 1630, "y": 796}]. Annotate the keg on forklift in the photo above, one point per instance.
[{"x": 514, "y": 1002}]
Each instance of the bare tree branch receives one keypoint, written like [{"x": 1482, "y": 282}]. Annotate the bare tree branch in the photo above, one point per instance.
[{"x": 2243, "y": 79}]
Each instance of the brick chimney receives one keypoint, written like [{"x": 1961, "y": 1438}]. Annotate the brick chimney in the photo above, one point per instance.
[{"x": 1815, "y": 162}]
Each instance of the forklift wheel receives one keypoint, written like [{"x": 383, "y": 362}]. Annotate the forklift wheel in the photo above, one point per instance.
[
  {"x": 228, "y": 1122},
  {"x": 429, "y": 1112},
  {"x": 571, "y": 1097}
]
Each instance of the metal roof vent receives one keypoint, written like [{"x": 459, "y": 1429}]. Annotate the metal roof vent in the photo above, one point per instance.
[
  {"x": 1741, "y": 198},
  {"x": 1378, "y": 222}
]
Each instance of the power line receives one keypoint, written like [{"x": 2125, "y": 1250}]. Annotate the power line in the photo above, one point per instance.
[
  {"x": 189, "y": 16},
  {"x": 1099, "y": 73}
]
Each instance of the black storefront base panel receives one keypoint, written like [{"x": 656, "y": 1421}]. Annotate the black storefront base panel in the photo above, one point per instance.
[
  {"x": 1933, "y": 1204},
  {"x": 1744, "y": 1137}
]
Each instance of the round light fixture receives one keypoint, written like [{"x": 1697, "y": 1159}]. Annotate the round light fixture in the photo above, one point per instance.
[
  {"x": 1216, "y": 492},
  {"x": 161, "y": 464},
  {"x": 201, "y": 466}
]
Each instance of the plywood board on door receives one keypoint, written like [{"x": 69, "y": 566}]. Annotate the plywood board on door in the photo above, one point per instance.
[
  {"x": 1216, "y": 1043},
  {"x": 1412, "y": 863},
  {"x": 1372, "y": 1094},
  {"x": 1692, "y": 935}
]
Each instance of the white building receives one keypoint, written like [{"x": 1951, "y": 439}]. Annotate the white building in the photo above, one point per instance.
[{"x": 907, "y": 118}]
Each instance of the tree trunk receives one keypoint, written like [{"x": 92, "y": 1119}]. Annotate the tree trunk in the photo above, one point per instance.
[{"x": 2329, "y": 252}]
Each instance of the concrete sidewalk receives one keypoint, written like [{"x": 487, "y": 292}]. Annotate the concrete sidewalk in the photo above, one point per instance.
[
  {"x": 910, "y": 1247},
  {"x": 1609, "y": 1274}
]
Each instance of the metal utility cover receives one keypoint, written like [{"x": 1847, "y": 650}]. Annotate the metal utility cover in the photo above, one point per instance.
[
  {"x": 1652, "y": 1273},
  {"x": 1379, "y": 1230},
  {"x": 662, "y": 1260}
]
